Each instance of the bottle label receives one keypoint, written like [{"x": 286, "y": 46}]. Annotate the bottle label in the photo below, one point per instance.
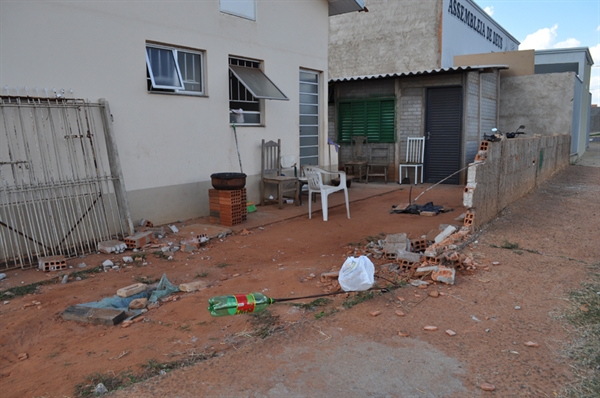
[{"x": 245, "y": 303}]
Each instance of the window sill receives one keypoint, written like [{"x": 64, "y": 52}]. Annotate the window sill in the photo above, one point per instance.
[
  {"x": 179, "y": 94},
  {"x": 247, "y": 125}
]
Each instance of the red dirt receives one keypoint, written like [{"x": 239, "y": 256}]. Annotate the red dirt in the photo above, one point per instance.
[{"x": 554, "y": 228}]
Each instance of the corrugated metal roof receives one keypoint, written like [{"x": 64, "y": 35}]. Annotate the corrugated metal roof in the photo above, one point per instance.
[
  {"x": 337, "y": 7},
  {"x": 422, "y": 72}
]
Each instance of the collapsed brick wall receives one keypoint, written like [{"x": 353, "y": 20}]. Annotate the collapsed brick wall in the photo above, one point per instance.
[{"x": 507, "y": 170}]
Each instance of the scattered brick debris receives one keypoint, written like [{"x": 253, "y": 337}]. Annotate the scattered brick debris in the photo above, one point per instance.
[{"x": 487, "y": 387}]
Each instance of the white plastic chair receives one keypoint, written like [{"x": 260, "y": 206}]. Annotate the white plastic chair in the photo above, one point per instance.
[
  {"x": 415, "y": 154},
  {"x": 314, "y": 175}
]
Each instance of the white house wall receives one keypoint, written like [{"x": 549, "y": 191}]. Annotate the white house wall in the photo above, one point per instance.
[
  {"x": 169, "y": 145},
  {"x": 467, "y": 29}
]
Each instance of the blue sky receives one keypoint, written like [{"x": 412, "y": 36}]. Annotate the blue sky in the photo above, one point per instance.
[{"x": 544, "y": 24}]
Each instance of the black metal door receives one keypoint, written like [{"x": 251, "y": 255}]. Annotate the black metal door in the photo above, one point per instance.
[{"x": 443, "y": 127}]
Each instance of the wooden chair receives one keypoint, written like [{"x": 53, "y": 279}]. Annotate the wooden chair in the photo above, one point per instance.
[
  {"x": 314, "y": 175},
  {"x": 379, "y": 159},
  {"x": 415, "y": 154},
  {"x": 271, "y": 173},
  {"x": 359, "y": 157}
]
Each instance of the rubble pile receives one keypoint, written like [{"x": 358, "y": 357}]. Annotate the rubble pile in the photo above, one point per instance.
[{"x": 436, "y": 255}]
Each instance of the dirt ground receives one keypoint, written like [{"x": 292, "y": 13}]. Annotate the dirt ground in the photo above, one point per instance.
[{"x": 515, "y": 296}]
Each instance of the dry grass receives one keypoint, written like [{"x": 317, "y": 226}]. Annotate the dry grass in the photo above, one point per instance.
[{"x": 584, "y": 315}]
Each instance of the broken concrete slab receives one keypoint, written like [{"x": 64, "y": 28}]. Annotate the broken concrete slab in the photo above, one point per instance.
[
  {"x": 95, "y": 316},
  {"x": 157, "y": 232},
  {"x": 209, "y": 231},
  {"x": 432, "y": 234},
  {"x": 193, "y": 286},
  {"x": 329, "y": 275},
  {"x": 111, "y": 246},
  {"x": 444, "y": 275},
  {"x": 425, "y": 270},
  {"x": 408, "y": 256},
  {"x": 395, "y": 242},
  {"x": 132, "y": 289},
  {"x": 138, "y": 304},
  {"x": 445, "y": 233},
  {"x": 190, "y": 244}
]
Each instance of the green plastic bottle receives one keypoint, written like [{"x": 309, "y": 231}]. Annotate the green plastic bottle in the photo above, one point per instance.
[{"x": 238, "y": 304}]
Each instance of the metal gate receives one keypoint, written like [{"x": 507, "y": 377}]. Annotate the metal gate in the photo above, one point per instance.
[
  {"x": 443, "y": 127},
  {"x": 61, "y": 188}
]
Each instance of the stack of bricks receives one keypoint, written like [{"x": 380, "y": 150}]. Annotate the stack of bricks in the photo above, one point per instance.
[{"x": 227, "y": 207}]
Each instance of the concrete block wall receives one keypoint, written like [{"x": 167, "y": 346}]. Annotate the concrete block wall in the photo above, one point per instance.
[
  {"x": 363, "y": 89},
  {"x": 511, "y": 169},
  {"x": 525, "y": 100},
  {"x": 518, "y": 169},
  {"x": 395, "y": 36},
  {"x": 554, "y": 154}
]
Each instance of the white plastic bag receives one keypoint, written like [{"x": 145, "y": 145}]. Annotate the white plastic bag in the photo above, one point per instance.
[{"x": 357, "y": 274}]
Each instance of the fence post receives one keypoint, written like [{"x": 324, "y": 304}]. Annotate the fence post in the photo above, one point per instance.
[{"x": 115, "y": 165}]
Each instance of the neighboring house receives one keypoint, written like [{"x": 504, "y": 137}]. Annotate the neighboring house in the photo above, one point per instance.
[
  {"x": 392, "y": 76},
  {"x": 450, "y": 107},
  {"x": 172, "y": 72},
  {"x": 579, "y": 61},
  {"x": 548, "y": 91},
  {"x": 595, "y": 119}
]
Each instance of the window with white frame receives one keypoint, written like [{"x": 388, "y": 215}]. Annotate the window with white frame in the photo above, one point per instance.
[
  {"x": 239, "y": 8},
  {"x": 174, "y": 70},
  {"x": 248, "y": 87},
  {"x": 245, "y": 108}
]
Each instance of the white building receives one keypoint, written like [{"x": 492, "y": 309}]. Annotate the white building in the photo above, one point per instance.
[
  {"x": 171, "y": 72},
  {"x": 579, "y": 61}
]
